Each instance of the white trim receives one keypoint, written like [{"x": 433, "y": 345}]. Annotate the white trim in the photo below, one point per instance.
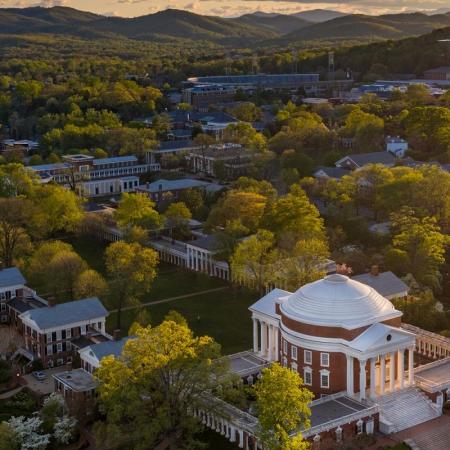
[
  {"x": 294, "y": 357},
  {"x": 307, "y": 370}
]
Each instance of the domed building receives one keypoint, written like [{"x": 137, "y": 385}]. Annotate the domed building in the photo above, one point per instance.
[{"x": 339, "y": 334}]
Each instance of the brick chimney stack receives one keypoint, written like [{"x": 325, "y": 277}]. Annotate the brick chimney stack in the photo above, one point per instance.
[
  {"x": 51, "y": 301},
  {"x": 375, "y": 270}
]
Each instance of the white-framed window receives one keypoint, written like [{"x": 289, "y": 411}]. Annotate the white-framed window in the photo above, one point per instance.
[
  {"x": 325, "y": 359},
  {"x": 69, "y": 333},
  {"x": 59, "y": 347},
  {"x": 307, "y": 376},
  {"x": 294, "y": 366},
  {"x": 49, "y": 349},
  {"x": 285, "y": 347},
  {"x": 325, "y": 379},
  {"x": 359, "y": 426},
  {"x": 49, "y": 337},
  {"x": 83, "y": 329},
  {"x": 58, "y": 335},
  {"x": 307, "y": 355},
  {"x": 284, "y": 361},
  {"x": 294, "y": 352}
]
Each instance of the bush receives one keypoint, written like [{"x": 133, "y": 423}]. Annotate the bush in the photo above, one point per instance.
[{"x": 5, "y": 371}]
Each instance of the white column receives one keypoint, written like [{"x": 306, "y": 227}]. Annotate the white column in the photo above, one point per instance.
[
  {"x": 277, "y": 355},
  {"x": 411, "y": 366},
  {"x": 241, "y": 439},
  {"x": 255, "y": 335},
  {"x": 392, "y": 372},
  {"x": 382, "y": 373},
  {"x": 373, "y": 378},
  {"x": 362, "y": 379},
  {"x": 350, "y": 376},
  {"x": 263, "y": 338},
  {"x": 270, "y": 356},
  {"x": 401, "y": 368},
  {"x": 232, "y": 434}
]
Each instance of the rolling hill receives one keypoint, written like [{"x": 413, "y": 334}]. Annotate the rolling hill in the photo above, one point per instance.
[
  {"x": 359, "y": 26},
  {"x": 319, "y": 15},
  {"x": 251, "y": 30},
  {"x": 279, "y": 23}
]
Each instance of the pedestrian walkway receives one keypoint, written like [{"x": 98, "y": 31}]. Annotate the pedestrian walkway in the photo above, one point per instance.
[
  {"x": 172, "y": 299},
  {"x": 10, "y": 393}
]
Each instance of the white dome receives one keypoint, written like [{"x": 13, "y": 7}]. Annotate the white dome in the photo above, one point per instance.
[{"x": 338, "y": 301}]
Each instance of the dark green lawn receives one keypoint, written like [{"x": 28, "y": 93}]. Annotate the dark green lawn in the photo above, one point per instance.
[{"x": 224, "y": 315}]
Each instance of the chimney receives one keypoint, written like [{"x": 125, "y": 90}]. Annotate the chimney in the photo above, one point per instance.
[
  {"x": 116, "y": 334},
  {"x": 375, "y": 270},
  {"x": 51, "y": 301}
]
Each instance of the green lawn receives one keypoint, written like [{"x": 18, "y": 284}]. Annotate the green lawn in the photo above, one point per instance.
[{"x": 223, "y": 315}]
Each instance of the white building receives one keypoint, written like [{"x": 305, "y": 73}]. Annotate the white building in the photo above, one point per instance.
[{"x": 396, "y": 146}]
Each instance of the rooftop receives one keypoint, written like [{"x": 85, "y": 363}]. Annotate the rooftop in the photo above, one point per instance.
[
  {"x": 78, "y": 380},
  {"x": 176, "y": 145},
  {"x": 331, "y": 172},
  {"x": 85, "y": 310},
  {"x": 115, "y": 159},
  {"x": 107, "y": 348},
  {"x": 11, "y": 277},
  {"x": 246, "y": 363},
  {"x": 369, "y": 158},
  {"x": 385, "y": 283},
  {"x": 338, "y": 301},
  {"x": 175, "y": 185}
]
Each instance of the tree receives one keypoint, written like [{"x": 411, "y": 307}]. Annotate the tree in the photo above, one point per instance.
[
  {"x": 282, "y": 405},
  {"x": 59, "y": 209},
  {"x": 306, "y": 263},
  {"x": 9, "y": 440},
  {"x": 246, "y": 207},
  {"x": 147, "y": 392},
  {"x": 178, "y": 216},
  {"x": 132, "y": 269},
  {"x": 137, "y": 210},
  {"x": 28, "y": 432},
  {"x": 15, "y": 180},
  {"x": 293, "y": 217},
  {"x": 204, "y": 141},
  {"x": 243, "y": 133},
  {"x": 15, "y": 217},
  {"x": 90, "y": 284},
  {"x": 423, "y": 245},
  {"x": 247, "y": 112},
  {"x": 254, "y": 260},
  {"x": 64, "y": 429}
]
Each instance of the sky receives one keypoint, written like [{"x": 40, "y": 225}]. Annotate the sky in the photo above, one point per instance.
[{"x": 230, "y": 8}]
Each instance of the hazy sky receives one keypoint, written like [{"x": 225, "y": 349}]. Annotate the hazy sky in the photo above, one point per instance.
[{"x": 234, "y": 7}]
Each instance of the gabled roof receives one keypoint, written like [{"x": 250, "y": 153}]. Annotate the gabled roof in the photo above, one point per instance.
[
  {"x": 362, "y": 159},
  {"x": 11, "y": 277},
  {"x": 107, "y": 348},
  {"x": 67, "y": 313},
  {"x": 380, "y": 335},
  {"x": 266, "y": 305},
  {"x": 385, "y": 283},
  {"x": 331, "y": 172}
]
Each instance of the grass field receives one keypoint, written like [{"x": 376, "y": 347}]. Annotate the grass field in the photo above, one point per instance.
[{"x": 223, "y": 315}]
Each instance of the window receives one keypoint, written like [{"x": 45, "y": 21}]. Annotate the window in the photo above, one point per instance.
[
  {"x": 325, "y": 359},
  {"x": 294, "y": 366},
  {"x": 59, "y": 347},
  {"x": 285, "y": 347},
  {"x": 69, "y": 333},
  {"x": 284, "y": 361},
  {"x": 307, "y": 376},
  {"x": 83, "y": 329},
  {"x": 324, "y": 379},
  {"x": 49, "y": 350},
  {"x": 3, "y": 306},
  {"x": 308, "y": 356},
  {"x": 294, "y": 352},
  {"x": 359, "y": 426}
]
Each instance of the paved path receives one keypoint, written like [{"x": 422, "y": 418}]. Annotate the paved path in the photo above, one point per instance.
[
  {"x": 10, "y": 393},
  {"x": 431, "y": 435},
  {"x": 171, "y": 299}
]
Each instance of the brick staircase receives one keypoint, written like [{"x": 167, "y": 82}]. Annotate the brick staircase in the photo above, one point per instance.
[{"x": 405, "y": 409}]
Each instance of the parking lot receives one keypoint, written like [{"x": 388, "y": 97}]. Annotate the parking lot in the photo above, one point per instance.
[{"x": 46, "y": 386}]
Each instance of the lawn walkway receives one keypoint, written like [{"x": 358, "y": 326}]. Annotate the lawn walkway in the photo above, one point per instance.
[{"x": 171, "y": 299}]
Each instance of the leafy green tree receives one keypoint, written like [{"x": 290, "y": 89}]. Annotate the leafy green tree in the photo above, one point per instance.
[
  {"x": 254, "y": 259},
  {"x": 177, "y": 217},
  {"x": 9, "y": 440},
  {"x": 132, "y": 270},
  {"x": 90, "y": 283},
  {"x": 174, "y": 370},
  {"x": 137, "y": 210},
  {"x": 282, "y": 404}
]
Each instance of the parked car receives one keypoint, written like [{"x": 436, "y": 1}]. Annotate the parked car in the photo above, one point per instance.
[{"x": 40, "y": 376}]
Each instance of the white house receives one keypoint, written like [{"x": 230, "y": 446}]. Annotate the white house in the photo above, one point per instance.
[{"x": 396, "y": 146}]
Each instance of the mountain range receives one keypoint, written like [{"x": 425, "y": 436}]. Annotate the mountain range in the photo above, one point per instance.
[{"x": 248, "y": 30}]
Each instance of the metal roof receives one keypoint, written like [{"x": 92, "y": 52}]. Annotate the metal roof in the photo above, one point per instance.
[
  {"x": 67, "y": 313},
  {"x": 11, "y": 277}
]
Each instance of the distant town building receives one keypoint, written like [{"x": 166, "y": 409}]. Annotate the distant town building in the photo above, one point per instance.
[
  {"x": 396, "y": 146},
  {"x": 438, "y": 73},
  {"x": 202, "y": 96},
  {"x": 95, "y": 177},
  {"x": 357, "y": 161}
]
